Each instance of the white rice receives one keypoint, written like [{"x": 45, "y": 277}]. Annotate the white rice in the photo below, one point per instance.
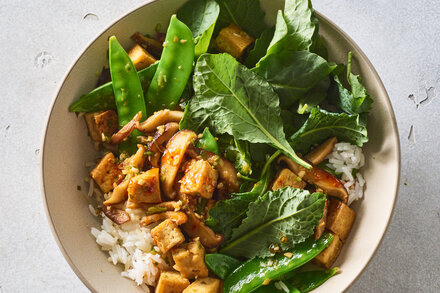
[
  {"x": 132, "y": 246},
  {"x": 344, "y": 158}
]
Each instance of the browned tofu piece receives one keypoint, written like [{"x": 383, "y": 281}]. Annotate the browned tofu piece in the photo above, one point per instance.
[
  {"x": 204, "y": 285},
  {"x": 145, "y": 187},
  {"x": 171, "y": 282},
  {"x": 233, "y": 40},
  {"x": 102, "y": 125},
  {"x": 320, "y": 228},
  {"x": 340, "y": 219},
  {"x": 287, "y": 178},
  {"x": 166, "y": 235},
  {"x": 140, "y": 57},
  {"x": 329, "y": 255},
  {"x": 200, "y": 179},
  {"x": 106, "y": 173},
  {"x": 189, "y": 259}
]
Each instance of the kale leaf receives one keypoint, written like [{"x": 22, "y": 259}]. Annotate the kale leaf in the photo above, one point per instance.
[
  {"x": 229, "y": 98},
  {"x": 283, "y": 217},
  {"x": 200, "y": 16},
  {"x": 322, "y": 124}
]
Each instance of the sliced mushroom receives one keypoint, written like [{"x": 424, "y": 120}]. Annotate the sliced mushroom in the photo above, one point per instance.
[
  {"x": 159, "y": 118},
  {"x": 118, "y": 216},
  {"x": 153, "y": 46},
  {"x": 119, "y": 194},
  {"x": 177, "y": 217},
  {"x": 162, "y": 207},
  {"x": 320, "y": 152},
  {"x": 135, "y": 161},
  {"x": 172, "y": 159},
  {"x": 226, "y": 171},
  {"x": 320, "y": 228},
  {"x": 126, "y": 130},
  {"x": 319, "y": 177},
  {"x": 160, "y": 137},
  {"x": 196, "y": 228}
]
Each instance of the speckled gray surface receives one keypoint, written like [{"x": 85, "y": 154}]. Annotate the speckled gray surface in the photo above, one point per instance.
[{"x": 41, "y": 39}]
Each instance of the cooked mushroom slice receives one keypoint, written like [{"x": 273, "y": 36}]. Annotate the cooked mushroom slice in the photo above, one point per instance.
[
  {"x": 119, "y": 194},
  {"x": 172, "y": 159},
  {"x": 226, "y": 171},
  {"x": 196, "y": 228},
  {"x": 118, "y": 216},
  {"x": 162, "y": 207},
  {"x": 159, "y": 118},
  {"x": 177, "y": 217},
  {"x": 136, "y": 161},
  {"x": 320, "y": 152},
  {"x": 126, "y": 130},
  {"x": 320, "y": 178},
  {"x": 160, "y": 137},
  {"x": 320, "y": 228},
  {"x": 153, "y": 46}
]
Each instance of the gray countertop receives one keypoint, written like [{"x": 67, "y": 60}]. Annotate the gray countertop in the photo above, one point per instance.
[{"x": 39, "y": 41}]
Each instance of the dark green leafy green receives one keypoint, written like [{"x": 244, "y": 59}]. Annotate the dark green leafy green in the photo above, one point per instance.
[
  {"x": 277, "y": 286},
  {"x": 228, "y": 214},
  {"x": 260, "y": 48},
  {"x": 356, "y": 101},
  {"x": 200, "y": 16},
  {"x": 314, "y": 96},
  {"x": 322, "y": 124},
  {"x": 229, "y": 98},
  {"x": 247, "y": 14},
  {"x": 293, "y": 73},
  {"x": 295, "y": 29},
  {"x": 221, "y": 264},
  {"x": 289, "y": 214},
  {"x": 251, "y": 274}
]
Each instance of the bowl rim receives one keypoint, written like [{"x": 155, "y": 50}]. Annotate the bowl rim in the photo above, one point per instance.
[{"x": 321, "y": 17}]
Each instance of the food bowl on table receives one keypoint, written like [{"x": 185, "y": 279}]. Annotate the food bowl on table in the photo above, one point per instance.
[{"x": 67, "y": 147}]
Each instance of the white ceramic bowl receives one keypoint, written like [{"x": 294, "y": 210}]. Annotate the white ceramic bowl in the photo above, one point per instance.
[{"x": 67, "y": 147}]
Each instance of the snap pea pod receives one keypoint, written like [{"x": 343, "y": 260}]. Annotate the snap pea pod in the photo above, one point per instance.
[
  {"x": 127, "y": 88},
  {"x": 254, "y": 272},
  {"x": 174, "y": 69},
  {"x": 307, "y": 281},
  {"x": 273, "y": 287},
  {"x": 102, "y": 97},
  {"x": 208, "y": 142},
  {"x": 221, "y": 264}
]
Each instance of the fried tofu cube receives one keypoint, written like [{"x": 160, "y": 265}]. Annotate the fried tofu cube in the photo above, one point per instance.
[
  {"x": 140, "y": 57},
  {"x": 340, "y": 219},
  {"x": 145, "y": 187},
  {"x": 189, "y": 260},
  {"x": 106, "y": 173},
  {"x": 329, "y": 255},
  {"x": 102, "y": 125},
  {"x": 200, "y": 179},
  {"x": 204, "y": 285},
  {"x": 171, "y": 282},
  {"x": 320, "y": 228},
  {"x": 287, "y": 178},
  {"x": 233, "y": 40},
  {"x": 167, "y": 235}
]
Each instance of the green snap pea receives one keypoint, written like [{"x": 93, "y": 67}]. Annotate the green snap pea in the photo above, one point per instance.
[
  {"x": 221, "y": 264},
  {"x": 254, "y": 272},
  {"x": 208, "y": 142},
  {"x": 309, "y": 280},
  {"x": 127, "y": 88},
  {"x": 276, "y": 286},
  {"x": 174, "y": 70},
  {"x": 102, "y": 97}
]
